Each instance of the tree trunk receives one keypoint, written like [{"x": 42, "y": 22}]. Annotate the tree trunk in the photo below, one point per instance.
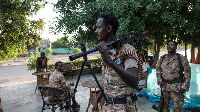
[
  {"x": 185, "y": 50},
  {"x": 156, "y": 56},
  {"x": 198, "y": 55},
  {"x": 154, "y": 49},
  {"x": 192, "y": 54}
]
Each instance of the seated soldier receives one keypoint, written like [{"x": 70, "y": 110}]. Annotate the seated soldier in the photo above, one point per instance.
[
  {"x": 57, "y": 80},
  {"x": 41, "y": 63}
]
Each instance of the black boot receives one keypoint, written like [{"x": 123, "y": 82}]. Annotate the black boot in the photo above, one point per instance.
[{"x": 75, "y": 105}]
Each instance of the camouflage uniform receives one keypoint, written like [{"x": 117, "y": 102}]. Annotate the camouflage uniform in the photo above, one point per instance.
[
  {"x": 169, "y": 69},
  {"x": 113, "y": 85},
  {"x": 57, "y": 80}
]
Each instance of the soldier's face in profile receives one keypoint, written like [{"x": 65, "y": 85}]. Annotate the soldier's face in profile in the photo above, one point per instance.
[
  {"x": 59, "y": 67},
  {"x": 101, "y": 30},
  {"x": 171, "y": 46}
]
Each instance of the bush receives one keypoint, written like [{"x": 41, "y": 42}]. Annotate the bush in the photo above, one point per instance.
[
  {"x": 76, "y": 50},
  {"x": 51, "y": 67},
  {"x": 48, "y": 52},
  {"x": 78, "y": 62},
  {"x": 32, "y": 61}
]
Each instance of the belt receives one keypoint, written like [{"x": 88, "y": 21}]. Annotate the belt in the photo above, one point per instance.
[
  {"x": 117, "y": 100},
  {"x": 176, "y": 80},
  {"x": 120, "y": 100}
]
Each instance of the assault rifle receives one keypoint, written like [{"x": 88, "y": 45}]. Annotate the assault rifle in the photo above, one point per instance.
[{"x": 130, "y": 37}]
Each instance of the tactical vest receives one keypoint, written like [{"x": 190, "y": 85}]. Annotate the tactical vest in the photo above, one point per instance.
[{"x": 181, "y": 75}]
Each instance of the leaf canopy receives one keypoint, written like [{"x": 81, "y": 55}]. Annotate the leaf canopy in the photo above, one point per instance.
[
  {"x": 166, "y": 19},
  {"x": 17, "y": 31}
]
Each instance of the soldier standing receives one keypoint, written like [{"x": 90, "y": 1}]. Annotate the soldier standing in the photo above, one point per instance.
[
  {"x": 170, "y": 77},
  {"x": 121, "y": 70},
  {"x": 41, "y": 63}
]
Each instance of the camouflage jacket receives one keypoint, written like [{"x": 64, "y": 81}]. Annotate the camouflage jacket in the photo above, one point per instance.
[
  {"x": 169, "y": 69},
  {"x": 113, "y": 85},
  {"x": 57, "y": 80}
]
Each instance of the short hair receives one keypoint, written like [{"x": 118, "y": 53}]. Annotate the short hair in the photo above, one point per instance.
[
  {"x": 42, "y": 53},
  {"x": 110, "y": 19},
  {"x": 172, "y": 41},
  {"x": 56, "y": 64}
]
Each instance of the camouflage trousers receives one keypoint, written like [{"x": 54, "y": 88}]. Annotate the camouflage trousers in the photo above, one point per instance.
[
  {"x": 176, "y": 97},
  {"x": 128, "y": 107}
]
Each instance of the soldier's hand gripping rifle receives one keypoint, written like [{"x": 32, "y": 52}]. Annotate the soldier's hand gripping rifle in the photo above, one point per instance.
[{"x": 130, "y": 37}]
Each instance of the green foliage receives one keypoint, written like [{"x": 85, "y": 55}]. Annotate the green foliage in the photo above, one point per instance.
[
  {"x": 48, "y": 52},
  {"x": 95, "y": 62},
  {"x": 81, "y": 17},
  {"x": 62, "y": 43},
  {"x": 76, "y": 50},
  {"x": 78, "y": 62},
  {"x": 151, "y": 49},
  {"x": 51, "y": 67},
  {"x": 166, "y": 19},
  {"x": 17, "y": 32},
  {"x": 32, "y": 61}
]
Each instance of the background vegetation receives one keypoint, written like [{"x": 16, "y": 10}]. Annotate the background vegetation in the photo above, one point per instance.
[
  {"x": 62, "y": 43},
  {"x": 17, "y": 32},
  {"x": 166, "y": 19},
  {"x": 95, "y": 63}
]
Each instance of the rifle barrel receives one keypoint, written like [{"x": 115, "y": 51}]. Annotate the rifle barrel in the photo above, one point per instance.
[
  {"x": 75, "y": 56},
  {"x": 136, "y": 36}
]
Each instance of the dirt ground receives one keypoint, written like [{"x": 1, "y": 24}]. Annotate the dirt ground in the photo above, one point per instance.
[
  {"x": 16, "y": 83},
  {"x": 12, "y": 72}
]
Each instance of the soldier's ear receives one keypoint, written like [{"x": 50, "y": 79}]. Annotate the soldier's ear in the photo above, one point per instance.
[{"x": 109, "y": 28}]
